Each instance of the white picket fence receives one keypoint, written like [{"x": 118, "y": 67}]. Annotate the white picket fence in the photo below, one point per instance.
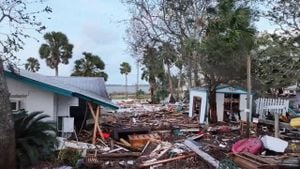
[{"x": 264, "y": 105}]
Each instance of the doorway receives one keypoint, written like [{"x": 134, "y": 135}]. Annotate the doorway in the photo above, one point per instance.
[
  {"x": 196, "y": 104},
  {"x": 231, "y": 107}
]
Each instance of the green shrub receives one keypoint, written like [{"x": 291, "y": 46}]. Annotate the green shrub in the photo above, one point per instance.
[
  {"x": 69, "y": 156},
  {"x": 35, "y": 137}
]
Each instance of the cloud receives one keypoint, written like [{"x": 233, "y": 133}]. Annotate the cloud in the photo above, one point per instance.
[{"x": 99, "y": 35}]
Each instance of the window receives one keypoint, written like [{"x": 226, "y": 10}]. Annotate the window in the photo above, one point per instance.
[{"x": 15, "y": 105}]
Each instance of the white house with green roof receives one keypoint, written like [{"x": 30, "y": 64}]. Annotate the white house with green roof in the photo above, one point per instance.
[
  {"x": 231, "y": 103},
  {"x": 58, "y": 97}
]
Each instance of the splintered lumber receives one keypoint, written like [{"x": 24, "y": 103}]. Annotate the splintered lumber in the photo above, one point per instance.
[
  {"x": 119, "y": 155},
  {"x": 193, "y": 146},
  {"x": 127, "y": 147},
  {"x": 125, "y": 142},
  {"x": 166, "y": 160},
  {"x": 250, "y": 161},
  {"x": 140, "y": 140}
]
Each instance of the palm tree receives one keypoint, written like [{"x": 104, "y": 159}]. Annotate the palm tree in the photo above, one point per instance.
[
  {"x": 35, "y": 137},
  {"x": 32, "y": 64},
  {"x": 90, "y": 66},
  {"x": 168, "y": 55},
  {"x": 125, "y": 69},
  {"x": 56, "y": 50}
]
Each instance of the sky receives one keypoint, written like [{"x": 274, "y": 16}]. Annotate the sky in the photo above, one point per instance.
[{"x": 95, "y": 26}]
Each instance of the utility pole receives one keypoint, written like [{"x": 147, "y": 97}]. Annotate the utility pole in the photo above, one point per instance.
[
  {"x": 137, "y": 76},
  {"x": 248, "y": 112}
]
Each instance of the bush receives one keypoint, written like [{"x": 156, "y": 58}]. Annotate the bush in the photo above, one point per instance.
[
  {"x": 35, "y": 137},
  {"x": 69, "y": 156}
]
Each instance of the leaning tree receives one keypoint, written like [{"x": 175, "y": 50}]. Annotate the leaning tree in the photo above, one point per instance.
[
  {"x": 56, "y": 50},
  {"x": 18, "y": 22}
]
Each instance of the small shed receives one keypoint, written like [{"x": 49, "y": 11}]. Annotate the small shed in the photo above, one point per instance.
[{"x": 231, "y": 103}]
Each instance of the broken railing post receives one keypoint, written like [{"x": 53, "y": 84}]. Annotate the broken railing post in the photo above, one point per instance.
[{"x": 276, "y": 125}]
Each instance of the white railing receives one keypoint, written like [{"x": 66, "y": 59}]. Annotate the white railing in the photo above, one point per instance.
[{"x": 265, "y": 105}]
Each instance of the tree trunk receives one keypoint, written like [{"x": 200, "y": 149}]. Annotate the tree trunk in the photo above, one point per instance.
[
  {"x": 137, "y": 78},
  {"x": 171, "y": 90},
  {"x": 152, "y": 93},
  {"x": 56, "y": 70},
  {"x": 7, "y": 133},
  {"x": 126, "y": 86},
  {"x": 189, "y": 74},
  {"x": 196, "y": 78},
  {"x": 179, "y": 84},
  {"x": 213, "y": 118}
]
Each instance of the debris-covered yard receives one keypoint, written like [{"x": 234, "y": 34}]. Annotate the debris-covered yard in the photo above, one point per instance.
[{"x": 163, "y": 136}]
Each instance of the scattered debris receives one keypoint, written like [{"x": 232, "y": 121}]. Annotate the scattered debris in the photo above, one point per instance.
[{"x": 161, "y": 136}]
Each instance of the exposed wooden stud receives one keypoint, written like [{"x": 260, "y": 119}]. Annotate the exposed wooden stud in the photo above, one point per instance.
[
  {"x": 96, "y": 122},
  {"x": 95, "y": 125}
]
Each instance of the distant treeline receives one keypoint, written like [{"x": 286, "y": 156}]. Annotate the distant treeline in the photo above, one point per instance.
[{"x": 116, "y": 88}]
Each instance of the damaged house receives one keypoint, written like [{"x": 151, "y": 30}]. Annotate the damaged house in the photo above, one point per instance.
[
  {"x": 231, "y": 103},
  {"x": 64, "y": 99}
]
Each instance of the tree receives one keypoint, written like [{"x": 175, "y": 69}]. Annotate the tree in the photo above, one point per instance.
[
  {"x": 125, "y": 69},
  {"x": 276, "y": 63},
  {"x": 168, "y": 55},
  {"x": 18, "y": 21},
  {"x": 56, "y": 50},
  {"x": 284, "y": 14},
  {"x": 91, "y": 66},
  {"x": 159, "y": 21},
  {"x": 153, "y": 71},
  {"x": 32, "y": 64},
  {"x": 35, "y": 137},
  {"x": 230, "y": 37}
]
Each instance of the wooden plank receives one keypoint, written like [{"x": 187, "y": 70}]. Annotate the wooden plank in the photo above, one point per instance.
[
  {"x": 257, "y": 158},
  {"x": 276, "y": 125},
  {"x": 118, "y": 155},
  {"x": 125, "y": 142},
  {"x": 95, "y": 126},
  {"x": 212, "y": 161},
  {"x": 96, "y": 122},
  {"x": 166, "y": 160}
]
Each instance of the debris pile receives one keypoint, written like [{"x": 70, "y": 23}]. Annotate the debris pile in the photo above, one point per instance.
[{"x": 164, "y": 137}]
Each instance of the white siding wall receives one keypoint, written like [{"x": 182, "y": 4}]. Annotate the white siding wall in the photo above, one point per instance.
[
  {"x": 203, "y": 95},
  {"x": 35, "y": 99},
  {"x": 220, "y": 106},
  {"x": 64, "y": 104},
  {"x": 32, "y": 99},
  {"x": 243, "y": 106}
]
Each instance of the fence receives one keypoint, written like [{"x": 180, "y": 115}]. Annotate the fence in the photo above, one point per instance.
[{"x": 265, "y": 105}]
